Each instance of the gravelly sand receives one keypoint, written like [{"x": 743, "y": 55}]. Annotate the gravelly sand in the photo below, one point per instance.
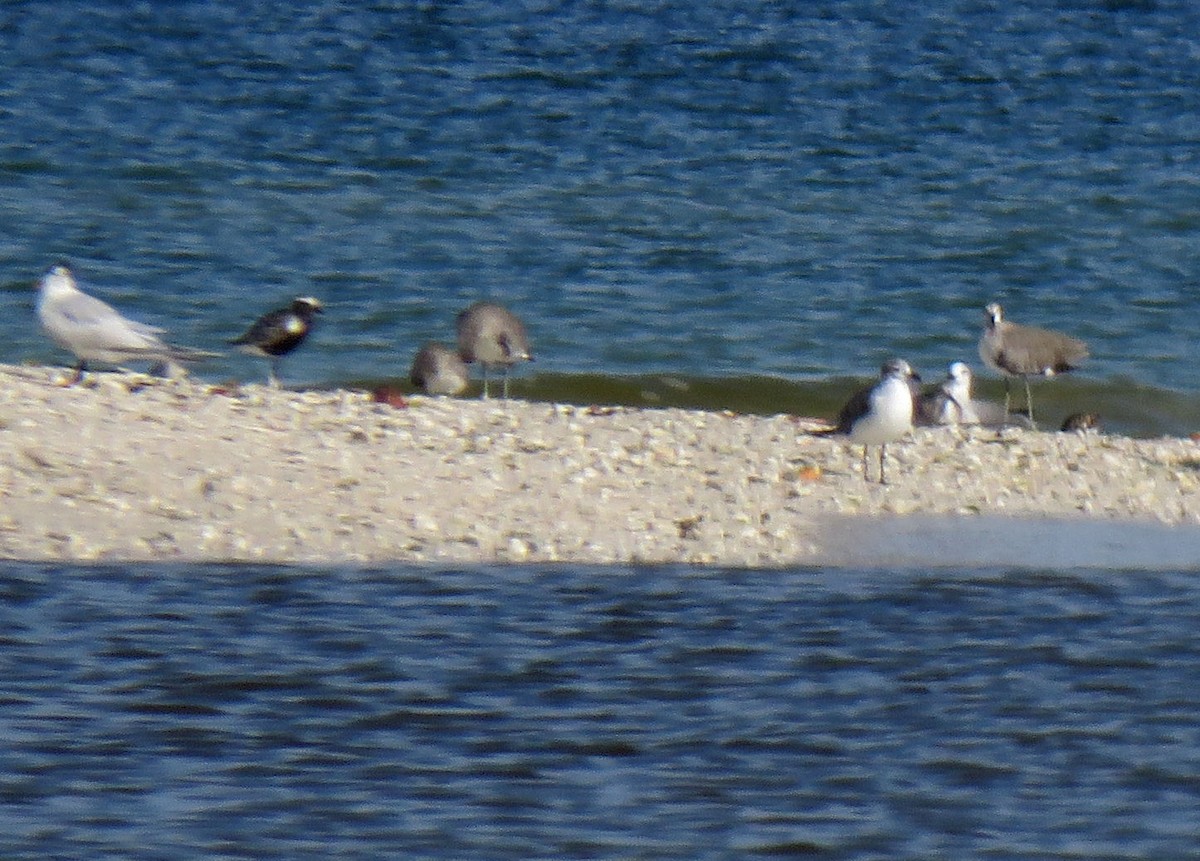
[{"x": 125, "y": 467}]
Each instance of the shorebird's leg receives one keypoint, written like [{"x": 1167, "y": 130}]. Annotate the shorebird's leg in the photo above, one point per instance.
[
  {"x": 485, "y": 379},
  {"x": 506, "y": 382},
  {"x": 77, "y": 376},
  {"x": 1029, "y": 402},
  {"x": 1007, "y": 380},
  {"x": 866, "y": 475},
  {"x": 882, "y": 454},
  {"x": 273, "y": 374}
]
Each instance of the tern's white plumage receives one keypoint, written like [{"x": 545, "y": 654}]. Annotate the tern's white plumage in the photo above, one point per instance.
[{"x": 94, "y": 331}]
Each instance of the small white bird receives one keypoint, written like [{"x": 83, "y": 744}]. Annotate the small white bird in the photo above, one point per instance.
[
  {"x": 95, "y": 332},
  {"x": 880, "y": 413},
  {"x": 490, "y": 334},
  {"x": 950, "y": 403}
]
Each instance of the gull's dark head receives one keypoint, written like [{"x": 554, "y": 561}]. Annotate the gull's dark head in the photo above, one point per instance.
[{"x": 899, "y": 369}]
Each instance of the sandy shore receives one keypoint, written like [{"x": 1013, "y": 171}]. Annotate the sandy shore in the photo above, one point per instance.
[{"x": 129, "y": 468}]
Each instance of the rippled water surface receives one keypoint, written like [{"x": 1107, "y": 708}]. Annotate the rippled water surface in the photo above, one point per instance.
[
  {"x": 716, "y": 193},
  {"x": 184, "y": 712}
]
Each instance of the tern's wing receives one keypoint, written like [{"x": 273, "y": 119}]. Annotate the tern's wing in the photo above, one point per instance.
[
  {"x": 84, "y": 310},
  {"x": 86, "y": 322}
]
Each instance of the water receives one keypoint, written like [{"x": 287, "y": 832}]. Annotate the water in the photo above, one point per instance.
[
  {"x": 747, "y": 202},
  {"x": 163, "y": 712}
]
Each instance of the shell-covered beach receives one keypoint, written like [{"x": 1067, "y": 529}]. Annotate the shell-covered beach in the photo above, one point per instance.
[{"x": 126, "y": 467}]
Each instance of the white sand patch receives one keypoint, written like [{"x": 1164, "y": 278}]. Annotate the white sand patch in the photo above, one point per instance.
[{"x": 126, "y": 467}]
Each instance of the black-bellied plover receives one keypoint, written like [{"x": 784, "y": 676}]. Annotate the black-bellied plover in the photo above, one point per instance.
[{"x": 279, "y": 332}]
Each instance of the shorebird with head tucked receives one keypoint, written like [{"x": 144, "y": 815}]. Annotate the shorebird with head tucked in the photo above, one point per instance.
[
  {"x": 490, "y": 335},
  {"x": 438, "y": 370},
  {"x": 95, "y": 332},
  {"x": 1024, "y": 351},
  {"x": 278, "y": 332},
  {"x": 880, "y": 413}
]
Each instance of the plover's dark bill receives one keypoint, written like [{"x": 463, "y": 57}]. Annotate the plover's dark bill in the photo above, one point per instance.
[
  {"x": 1025, "y": 351},
  {"x": 279, "y": 332},
  {"x": 95, "y": 332},
  {"x": 491, "y": 335},
  {"x": 880, "y": 413},
  {"x": 439, "y": 370}
]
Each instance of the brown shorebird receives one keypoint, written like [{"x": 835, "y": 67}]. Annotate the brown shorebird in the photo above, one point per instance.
[
  {"x": 490, "y": 334},
  {"x": 277, "y": 333},
  {"x": 438, "y": 370},
  {"x": 880, "y": 413},
  {"x": 1022, "y": 351}
]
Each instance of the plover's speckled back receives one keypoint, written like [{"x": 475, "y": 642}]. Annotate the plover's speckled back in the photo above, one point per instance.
[
  {"x": 279, "y": 332},
  {"x": 439, "y": 370},
  {"x": 490, "y": 335},
  {"x": 1025, "y": 351}
]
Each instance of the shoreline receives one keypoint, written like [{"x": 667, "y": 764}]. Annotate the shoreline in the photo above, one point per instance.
[{"x": 131, "y": 468}]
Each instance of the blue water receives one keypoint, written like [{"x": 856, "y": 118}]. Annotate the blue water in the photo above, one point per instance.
[
  {"x": 164, "y": 712},
  {"x": 721, "y": 190}
]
